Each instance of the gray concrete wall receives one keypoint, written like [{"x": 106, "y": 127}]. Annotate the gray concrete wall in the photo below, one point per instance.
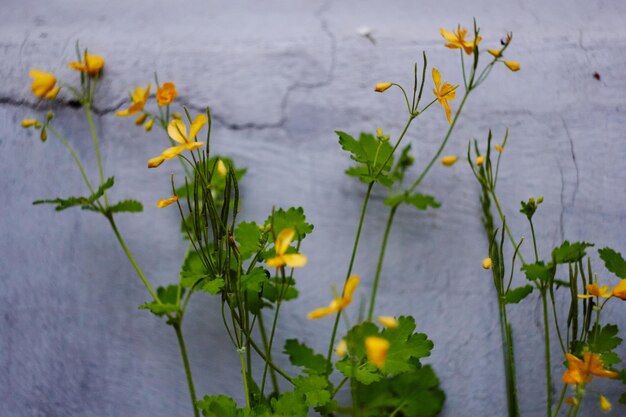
[{"x": 281, "y": 76}]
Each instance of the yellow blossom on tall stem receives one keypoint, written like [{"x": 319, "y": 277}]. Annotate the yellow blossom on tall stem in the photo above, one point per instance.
[
  {"x": 177, "y": 130},
  {"x": 581, "y": 371},
  {"x": 480, "y": 160},
  {"x": 594, "y": 290},
  {"x": 339, "y": 303},
  {"x": 381, "y": 87},
  {"x": 487, "y": 263},
  {"x": 164, "y": 202},
  {"x": 139, "y": 99},
  {"x": 44, "y": 84},
  {"x": 449, "y": 160},
  {"x": 619, "y": 290},
  {"x": 444, "y": 93},
  {"x": 457, "y": 40},
  {"x": 512, "y": 65},
  {"x": 91, "y": 64},
  {"x": 166, "y": 94},
  {"x": 282, "y": 258},
  {"x": 376, "y": 348}
]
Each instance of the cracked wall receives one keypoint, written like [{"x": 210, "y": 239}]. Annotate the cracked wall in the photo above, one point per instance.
[{"x": 280, "y": 79}]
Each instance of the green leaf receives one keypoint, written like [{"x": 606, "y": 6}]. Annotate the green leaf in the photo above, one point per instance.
[
  {"x": 84, "y": 202},
  {"x": 405, "y": 345},
  {"x": 248, "y": 236},
  {"x": 371, "y": 154},
  {"x": 168, "y": 297},
  {"x": 606, "y": 339},
  {"x": 293, "y": 217},
  {"x": 289, "y": 404},
  {"x": 193, "y": 269},
  {"x": 366, "y": 373},
  {"x": 516, "y": 295},
  {"x": 302, "y": 355},
  {"x": 254, "y": 280},
  {"x": 218, "y": 406},
  {"x": 570, "y": 252},
  {"x": 609, "y": 359},
  {"x": 129, "y": 206},
  {"x": 538, "y": 271},
  {"x": 213, "y": 286},
  {"x": 613, "y": 261},
  {"x": 420, "y": 392},
  {"x": 315, "y": 389},
  {"x": 417, "y": 200}
]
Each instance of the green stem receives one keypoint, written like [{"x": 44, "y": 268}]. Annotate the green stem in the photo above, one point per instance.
[
  {"x": 509, "y": 362},
  {"x": 506, "y": 226},
  {"x": 546, "y": 335},
  {"x": 131, "y": 258},
  {"x": 273, "y": 331},
  {"x": 183, "y": 353},
  {"x": 94, "y": 137},
  {"x": 245, "y": 377},
  {"x": 352, "y": 257},
  {"x": 443, "y": 144},
  {"x": 381, "y": 259},
  {"x": 268, "y": 351},
  {"x": 532, "y": 230},
  {"x": 272, "y": 365},
  {"x": 561, "y": 398},
  {"x": 74, "y": 156}
]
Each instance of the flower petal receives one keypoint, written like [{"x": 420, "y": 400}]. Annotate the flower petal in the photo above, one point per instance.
[
  {"x": 177, "y": 131},
  {"x": 295, "y": 260},
  {"x": 284, "y": 238},
  {"x": 173, "y": 151},
  {"x": 155, "y": 162},
  {"x": 436, "y": 78},
  {"x": 197, "y": 124},
  {"x": 275, "y": 262}
]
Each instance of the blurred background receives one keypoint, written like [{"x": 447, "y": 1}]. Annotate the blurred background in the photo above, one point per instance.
[{"x": 280, "y": 77}]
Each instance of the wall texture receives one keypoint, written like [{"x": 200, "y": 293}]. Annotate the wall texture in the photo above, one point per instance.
[{"x": 280, "y": 77}]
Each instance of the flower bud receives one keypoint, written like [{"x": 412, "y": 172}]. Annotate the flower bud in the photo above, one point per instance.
[
  {"x": 605, "y": 405},
  {"x": 480, "y": 160},
  {"x": 140, "y": 119},
  {"x": 449, "y": 160},
  {"x": 176, "y": 116},
  {"x": 499, "y": 148},
  {"x": 388, "y": 321},
  {"x": 495, "y": 52},
  {"x": 49, "y": 115},
  {"x": 148, "y": 126},
  {"x": 540, "y": 200},
  {"x": 512, "y": 65},
  {"x": 381, "y": 87},
  {"x": 26, "y": 123},
  {"x": 43, "y": 135},
  {"x": 342, "y": 348},
  {"x": 487, "y": 263}
]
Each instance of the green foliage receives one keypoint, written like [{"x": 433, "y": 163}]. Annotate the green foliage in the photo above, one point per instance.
[
  {"x": 292, "y": 217},
  {"x": 218, "y": 406},
  {"x": 604, "y": 339},
  {"x": 570, "y": 252},
  {"x": 86, "y": 203},
  {"x": 255, "y": 280},
  {"x": 169, "y": 301},
  {"x": 417, "y": 200},
  {"x": 516, "y": 295},
  {"x": 374, "y": 157},
  {"x": 538, "y": 271},
  {"x": 412, "y": 394},
  {"x": 302, "y": 355},
  {"x": 273, "y": 288},
  {"x": 193, "y": 270},
  {"x": 248, "y": 236},
  {"x": 314, "y": 388},
  {"x": 128, "y": 206},
  {"x": 613, "y": 261},
  {"x": 289, "y": 404},
  {"x": 365, "y": 373}
]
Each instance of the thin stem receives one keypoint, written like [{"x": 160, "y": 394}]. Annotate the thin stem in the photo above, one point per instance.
[
  {"x": 381, "y": 259},
  {"x": 74, "y": 156},
  {"x": 352, "y": 257},
  {"x": 561, "y": 398},
  {"x": 245, "y": 377},
  {"x": 131, "y": 258},
  {"x": 343, "y": 381},
  {"x": 509, "y": 361},
  {"x": 183, "y": 353},
  {"x": 532, "y": 230},
  {"x": 268, "y": 351},
  {"x": 94, "y": 137},
  {"x": 506, "y": 226},
  {"x": 546, "y": 335}
]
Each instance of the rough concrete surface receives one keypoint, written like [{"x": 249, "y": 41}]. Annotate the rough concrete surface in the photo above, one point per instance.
[{"x": 281, "y": 76}]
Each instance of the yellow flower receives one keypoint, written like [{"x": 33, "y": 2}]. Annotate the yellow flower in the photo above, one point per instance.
[
  {"x": 594, "y": 290},
  {"x": 139, "y": 100},
  {"x": 457, "y": 40},
  {"x": 166, "y": 94},
  {"x": 28, "y": 122},
  {"x": 449, "y": 160},
  {"x": 148, "y": 126},
  {"x": 44, "y": 84},
  {"x": 164, "y": 202},
  {"x": 282, "y": 258},
  {"x": 177, "y": 130},
  {"x": 487, "y": 263},
  {"x": 605, "y": 405},
  {"x": 380, "y": 134},
  {"x": 342, "y": 348},
  {"x": 499, "y": 148},
  {"x": 480, "y": 160},
  {"x": 92, "y": 64},
  {"x": 376, "y": 348},
  {"x": 495, "y": 52},
  {"x": 581, "y": 371},
  {"x": 444, "y": 93},
  {"x": 512, "y": 65},
  {"x": 619, "y": 290},
  {"x": 388, "y": 321},
  {"x": 221, "y": 168},
  {"x": 339, "y": 303},
  {"x": 380, "y": 87}
]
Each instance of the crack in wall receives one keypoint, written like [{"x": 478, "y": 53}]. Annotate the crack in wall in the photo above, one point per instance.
[{"x": 573, "y": 154}]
